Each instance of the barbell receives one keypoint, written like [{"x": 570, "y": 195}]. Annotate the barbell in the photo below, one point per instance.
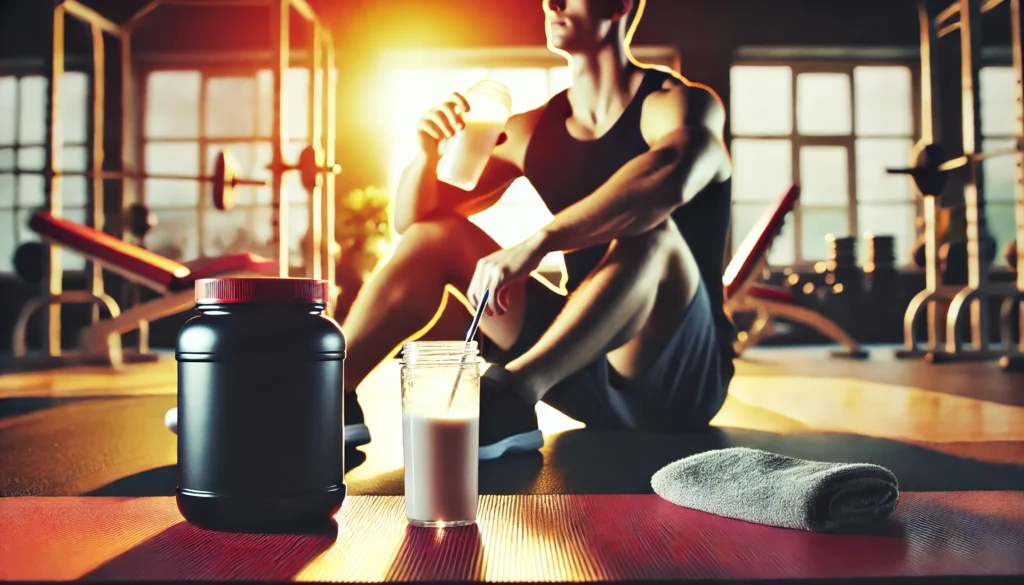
[
  {"x": 931, "y": 169},
  {"x": 225, "y": 175}
]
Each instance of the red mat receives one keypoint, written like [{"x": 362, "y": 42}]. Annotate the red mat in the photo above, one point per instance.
[{"x": 518, "y": 538}]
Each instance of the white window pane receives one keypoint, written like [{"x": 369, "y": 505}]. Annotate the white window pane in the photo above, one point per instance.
[
  {"x": 763, "y": 169},
  {"x": 74, "y": 106},
  {"x": 998, "y": 96},
  {"x": 746, "y": 216},
  {"x": 824, "y": 175},
  {"x": 1000, "y": 172},
  {"x": 888, "y": 220},
  {"x": 75, "y": 191},
  {"x": 761, "y": 102},
  {"x": 883, "y": 101},
  {"x": 238, "y": 231},
  {"x": 7, "y": 243},
  {"x": 172, "y": 158},
  {"x": 1003, "y": 227},
  {"x": 559, "y": 78},
  {"x": 528, "y": 86},
  {"x": 265, "y": 102},
  {"x": 6, "y": 159},
  {"x": 874, "y": 156},
  {"x": 229, "y": 106},
  {"x": 8, "y": 109},
  {"x": 31, "y": 191},
  {"x": 8, "y": 186},
  {"x": 296, "y": 83},
  {"x": 32, "y": 110},
  {"x": 76, "y": 158},
  {"x": 31, "y": 159},
  {"x": 175, "y": 236},
  {"x": 163, "y": 193},
  {"x": 816, "y": 225},
  {"x": 823, "y": 105},
  {"x": 172, "y": 104}
]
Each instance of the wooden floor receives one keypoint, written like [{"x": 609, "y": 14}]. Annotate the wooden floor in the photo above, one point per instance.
[{"x": 88, "y": 431}]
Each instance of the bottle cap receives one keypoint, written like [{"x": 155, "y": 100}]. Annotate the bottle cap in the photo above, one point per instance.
[{"x": 222, "y": 291}]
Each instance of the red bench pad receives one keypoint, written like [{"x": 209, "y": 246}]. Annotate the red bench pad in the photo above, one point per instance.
[
  {"x": 127, "y": 258},
  {"x": 757, "y": 242},
  {"x": 768, "y": 292},
  {"x": 554, "y": 538}
]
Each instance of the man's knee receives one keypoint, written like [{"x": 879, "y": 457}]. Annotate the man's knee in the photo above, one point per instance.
[
  {"x": 437, "y": 230},
  {"x": 660, "y": 242}
]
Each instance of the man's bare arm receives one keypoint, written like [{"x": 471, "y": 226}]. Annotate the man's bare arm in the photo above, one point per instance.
[
  {"x": 420, "y": 194},
  {"x": 684, "y": 127}
]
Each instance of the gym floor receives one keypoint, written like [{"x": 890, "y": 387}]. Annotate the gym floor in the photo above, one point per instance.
[{"x": 87, "y": 431}]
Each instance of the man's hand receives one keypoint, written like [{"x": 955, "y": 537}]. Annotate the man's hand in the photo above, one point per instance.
[{"x": 502, "y": 268}]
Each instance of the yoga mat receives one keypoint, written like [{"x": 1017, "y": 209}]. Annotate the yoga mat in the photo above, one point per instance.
[{"x": 547, "y": 539}]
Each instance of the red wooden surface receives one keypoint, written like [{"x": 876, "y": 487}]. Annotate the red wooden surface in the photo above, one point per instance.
[{"x": 518, "y": 538}]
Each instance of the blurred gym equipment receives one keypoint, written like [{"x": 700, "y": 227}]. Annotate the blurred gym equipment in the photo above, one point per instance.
[
  {"x": 744, "y": 295},
  {"x": 930, "y": 173},
  {"x": 106, "y": 252}
]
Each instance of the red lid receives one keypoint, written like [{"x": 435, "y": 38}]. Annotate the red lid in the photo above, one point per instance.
[{"x": 262, "y": 290}]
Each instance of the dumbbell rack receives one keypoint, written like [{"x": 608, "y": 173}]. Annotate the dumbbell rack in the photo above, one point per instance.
[{"x": 972, "y": 300}]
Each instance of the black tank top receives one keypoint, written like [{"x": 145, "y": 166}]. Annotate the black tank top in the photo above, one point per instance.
[{"x": 564, "y": 170}]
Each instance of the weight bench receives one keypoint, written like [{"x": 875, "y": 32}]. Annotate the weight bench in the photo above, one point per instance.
[
  {"x": 744, "y": 295},
  {"x": 175, "y": 283}
]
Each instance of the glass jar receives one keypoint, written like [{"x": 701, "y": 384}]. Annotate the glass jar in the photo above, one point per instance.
[{"x": 441, "y": 432}]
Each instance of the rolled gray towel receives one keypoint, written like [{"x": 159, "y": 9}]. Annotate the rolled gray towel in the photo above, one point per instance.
[{"x": 765, "y": 488}]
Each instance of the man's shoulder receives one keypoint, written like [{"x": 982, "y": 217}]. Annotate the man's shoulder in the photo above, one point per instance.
[{"x": 696, "y": 102}]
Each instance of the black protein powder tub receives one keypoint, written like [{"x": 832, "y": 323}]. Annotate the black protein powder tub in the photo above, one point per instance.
[{"x": 260, "y": 420}]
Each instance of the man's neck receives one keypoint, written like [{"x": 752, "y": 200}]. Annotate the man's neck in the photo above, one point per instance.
[{"x": 601, "y": 84}]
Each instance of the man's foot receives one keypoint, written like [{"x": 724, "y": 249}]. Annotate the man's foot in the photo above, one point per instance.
[
  {"x": 356, "y": 432},
  {"x": 508, "y": 423}
]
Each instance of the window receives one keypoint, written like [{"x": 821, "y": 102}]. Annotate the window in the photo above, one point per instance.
[
  {"x": 190, "y": 117},
  {"x": 998, "y": 128},
  {"x": 23, "y": 157},
  {"x": 833, "y": 129},
  {"x": 533, "y": 77}
]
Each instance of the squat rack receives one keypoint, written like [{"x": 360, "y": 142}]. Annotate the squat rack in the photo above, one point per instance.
[
  {"x": 970, "y": 300},
  {"x": 322, "y": 131}
]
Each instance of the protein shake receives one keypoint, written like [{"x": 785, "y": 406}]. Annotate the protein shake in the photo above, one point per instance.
[
  {"x": 441, "y": 432},
  {"x": 466, "y": 154}
]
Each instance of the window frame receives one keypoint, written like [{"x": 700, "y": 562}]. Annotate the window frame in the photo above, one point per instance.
[
  {"x": 801, "y": 65},
  {"x": 19, "y": 69}
]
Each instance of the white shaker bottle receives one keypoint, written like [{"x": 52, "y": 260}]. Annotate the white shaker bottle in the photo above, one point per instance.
[{"x": 466, "y": 154}]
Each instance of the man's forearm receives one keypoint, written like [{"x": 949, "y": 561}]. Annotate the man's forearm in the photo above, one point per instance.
[
  {"x": 637, "y": 198},
  {"x": 416, "y": 194}
]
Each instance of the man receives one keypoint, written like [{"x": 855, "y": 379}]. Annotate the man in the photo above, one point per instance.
[{"x": 632, "y": 164}]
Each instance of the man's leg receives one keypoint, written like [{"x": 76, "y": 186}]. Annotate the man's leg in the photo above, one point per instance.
[
  {"x": 403, "y": 298},
  {"x": 629, "y": 307}
]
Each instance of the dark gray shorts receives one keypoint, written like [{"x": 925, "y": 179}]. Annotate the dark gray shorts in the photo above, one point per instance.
[{"x": 681, "y": 391}]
